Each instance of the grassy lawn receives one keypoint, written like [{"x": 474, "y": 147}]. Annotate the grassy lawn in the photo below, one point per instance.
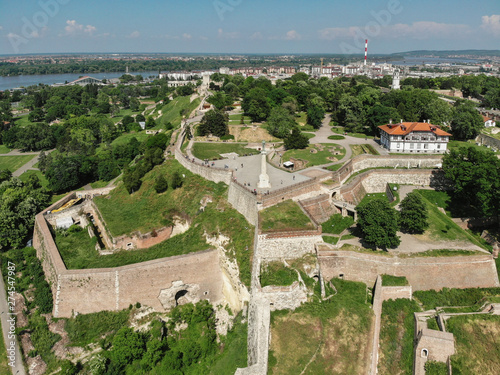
[
  {"x": 146, "y": 210},
  {"x": 13, "y": 163},
  {"x": 477, "y": 344},
  {"x": 369, "y": 197},
  {"x": 336, "y": 137},
  {"x": 331, "y": 240},
  {"x": 396, "y": 337},
  {"x": 171, "y": 111},
  {"x": 212, "y": 151},
  {"x": 125, "y": 138},
  {"x": 236, "y": 119},
  {"x": 23, "y": 121},
  {"x": 389, "y": 280},
  {"x": 336, "y": 224},
  {"x": 334, "y": 167},
  {"x": 363, "y": 149},
  {"x": 286, "y": 215},
  {"x": 444, "y": 200},
  {"x": 441, "y": 227},
  {"x": 331, "y": 337},
  {"x": 122, "y": 113},
  {"x": 99, "y": 184},
  {"x": 457, "y": 144},
  {"x": 4, "y": 149},
  {"x": 317, "y": 155},
  {"x": 309, "y": 135},
  {"x": 4, "y": 366},
  {"x": 341, "y": 130},
  {"x": 475, "y": 297},
  {"x": 24, "y": 177},
  {"x": 276, "y": 273}
]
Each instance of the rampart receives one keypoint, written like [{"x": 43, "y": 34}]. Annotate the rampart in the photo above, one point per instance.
[
  {"x": 280, "y": 195},
  {"x": 209, "y": 173},
  {"x": 243, "y": 201},
  {"x": 423, "y": 273},
  {"x": 194, "y": 276},
  {"x": 486, "y": 140},
  {"x": 285, "y": 248},
  {"x": 375, "y": 181}
]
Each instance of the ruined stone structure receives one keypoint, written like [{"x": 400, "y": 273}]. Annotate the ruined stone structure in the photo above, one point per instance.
[
  {"x": 431, "y": 345},
  {"x": 160, "y": 283},
  {"x": 488, "y": 141}
]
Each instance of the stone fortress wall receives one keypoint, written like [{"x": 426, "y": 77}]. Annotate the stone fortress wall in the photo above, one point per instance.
[
  {"x": 423, "y": 273},
  {"x": 159, "y": 283}
]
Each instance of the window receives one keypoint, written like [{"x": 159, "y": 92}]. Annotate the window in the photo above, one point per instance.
[
  {"x": 412, "y": 146},
  {"x": 438, "y": 147}
]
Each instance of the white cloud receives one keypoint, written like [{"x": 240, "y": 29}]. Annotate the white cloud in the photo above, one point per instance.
[
  {"x": 292, "y": 35},
  {"x": 257, "y": 36},
  {"x": 134, "y": 34},
  {"x": 416, "y": 30},
  {"x": 74, "y": 28},
  {"x": 232, "y": 35},
  {"x": 187, "y": 36},
  {"x": 1, "y": 27},
  {"x": 491, "y": 24}
]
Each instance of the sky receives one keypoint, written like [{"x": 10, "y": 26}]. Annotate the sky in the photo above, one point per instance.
[{"x": 247, "y": 26}]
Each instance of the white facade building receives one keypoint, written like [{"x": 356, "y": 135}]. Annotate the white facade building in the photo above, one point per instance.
[
  {"x": 489, "y": 122},
  {"x": 414, "y": 137}
]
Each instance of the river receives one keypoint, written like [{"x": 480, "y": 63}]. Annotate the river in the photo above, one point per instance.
[{"x": 7, "y": 83}]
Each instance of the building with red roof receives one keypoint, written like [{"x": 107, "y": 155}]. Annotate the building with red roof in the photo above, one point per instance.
[{"x": 414, "y": 137}]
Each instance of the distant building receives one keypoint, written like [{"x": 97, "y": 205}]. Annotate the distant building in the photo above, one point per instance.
[
  {"x": 396, "y": 80},
  {"x": 489, "y": 122},
  {"x": 84, "y": 81},
  {"x": 414, "y": 137}
]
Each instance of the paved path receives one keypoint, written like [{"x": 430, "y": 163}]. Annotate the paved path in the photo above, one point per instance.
[
  {"x": 4, "y": 314},
  {"x": 29, "y": 165}
]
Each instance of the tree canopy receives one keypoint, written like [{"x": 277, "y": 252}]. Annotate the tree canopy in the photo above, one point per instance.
[
  {"x": 475, "y": 176},
  {"x": 378, "y": 222},
  {"x": 413, "y": 215}
]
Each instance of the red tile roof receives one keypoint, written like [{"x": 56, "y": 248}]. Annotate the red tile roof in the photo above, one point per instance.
[{"x": 406, "y": 128}]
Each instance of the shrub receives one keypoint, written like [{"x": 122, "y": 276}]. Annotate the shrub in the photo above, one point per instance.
[{"x": 161, "y": 184}]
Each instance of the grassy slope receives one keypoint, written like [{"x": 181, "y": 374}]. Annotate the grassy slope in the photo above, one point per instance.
[
  {"x": 171, "y": 111},
  {"x": 396, "y": 337},
  {"x": 41, "y": 176},
  {"x": 317, "y": 158},
  {"x": 213, "y": 150},
  {"x": 333, "y": 335},
  {"x": 146, "y": 210},
  {"x": 284, "y": 216},
  {"x": 4, "y": 149},
  {"x": 13, "y": 163},
  {"x": 477, "y": 341}
]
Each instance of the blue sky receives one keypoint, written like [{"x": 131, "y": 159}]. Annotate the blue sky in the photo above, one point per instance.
[{"x": 247, "y": 26}]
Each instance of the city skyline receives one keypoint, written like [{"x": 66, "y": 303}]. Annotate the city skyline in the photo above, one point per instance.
[{"x": 239, "y": 26}]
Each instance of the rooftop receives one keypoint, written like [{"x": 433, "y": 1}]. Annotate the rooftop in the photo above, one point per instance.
[{"x": 405, "y": 128}]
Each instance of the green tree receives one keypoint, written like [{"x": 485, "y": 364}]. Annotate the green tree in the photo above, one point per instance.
[
  {"x": 413, "y": 214},
  {"x": 161, "y": 184},
  {"x": 215, "y": 123},
  {"x": 280, "y": 122},
  {"x": 466, "y": 122},
  {"x": 220, "y": 100},
  {"x": 475, "y": 176},
  {"x": 296, "y": 140},
  {"x": 315, "y": 115},
  {"x": 378, "y": 223},
  {"x": 128, "y": 346},
  {"x": 256, "y": 104},
  {"x": 176, "y": 180}
]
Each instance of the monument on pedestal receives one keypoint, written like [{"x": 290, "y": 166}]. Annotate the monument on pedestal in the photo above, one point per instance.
[{"x": 263, "y": 177}]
